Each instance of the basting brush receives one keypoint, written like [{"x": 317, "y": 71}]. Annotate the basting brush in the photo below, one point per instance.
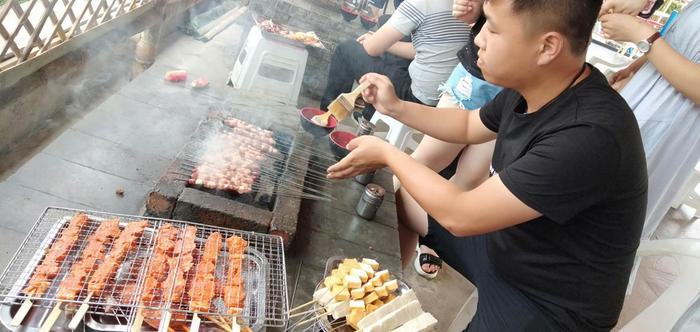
[{"x": 341, "y": 106}]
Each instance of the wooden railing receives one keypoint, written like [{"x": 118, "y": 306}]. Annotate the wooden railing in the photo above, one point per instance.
[{"x": 36, "y": 27}]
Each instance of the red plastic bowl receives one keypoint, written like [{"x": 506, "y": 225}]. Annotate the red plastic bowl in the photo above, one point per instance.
[
  {"x": 338, "y": 141},
  {"x": 305, "y": 115}
]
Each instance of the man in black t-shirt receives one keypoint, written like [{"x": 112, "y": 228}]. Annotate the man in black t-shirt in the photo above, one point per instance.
[{"x": 549, "y": 240}]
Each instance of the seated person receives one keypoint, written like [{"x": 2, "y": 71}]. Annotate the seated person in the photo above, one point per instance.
[
  {"x": 436, "y": 38},
  {"x": 465, "y": 89},
  {"x": 549, "y": 239}
]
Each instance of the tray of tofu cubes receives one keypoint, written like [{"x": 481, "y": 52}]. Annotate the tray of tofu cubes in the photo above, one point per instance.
[{"x": 358, "y": 295}]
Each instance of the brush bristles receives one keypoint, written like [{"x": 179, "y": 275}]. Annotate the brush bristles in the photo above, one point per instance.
[
  {"x": 346, "y": 103},
  {"x": 338, "y": 109}
]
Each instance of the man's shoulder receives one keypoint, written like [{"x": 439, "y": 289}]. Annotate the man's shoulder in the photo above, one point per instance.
[{"x": 597, "y": 102}]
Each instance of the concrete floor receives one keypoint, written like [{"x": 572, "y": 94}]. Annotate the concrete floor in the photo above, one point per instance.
[{"x": 112, "y": 149}]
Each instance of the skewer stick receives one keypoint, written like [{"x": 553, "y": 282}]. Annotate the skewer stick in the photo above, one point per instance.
[
  {"x": 138, "y": 321},
  {"x": 22, "y": 312},
  {"x": 234, "y": 325},
  {"x": 51, "y": 319},
  {"x": 303, "y": 313},
  {"x": 312, "y": 319},
  {"x": 218, "y": 323},
  {"x": 301, "y": 306},
  {"x": 313, "y": 301},
  {"x": 80, "y": 313},
  {"x": 196, "y": 321},
  {"x": 165, "y": 321}
]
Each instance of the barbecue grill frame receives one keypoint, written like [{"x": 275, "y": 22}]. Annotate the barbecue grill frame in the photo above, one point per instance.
[{"x": 48, "y": 226}]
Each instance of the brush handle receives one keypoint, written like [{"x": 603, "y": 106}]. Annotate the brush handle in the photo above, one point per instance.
[{"x": 352, "y": 96}]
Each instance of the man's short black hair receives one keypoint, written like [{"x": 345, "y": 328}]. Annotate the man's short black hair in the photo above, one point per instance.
[{"x": 572, "y": 18}]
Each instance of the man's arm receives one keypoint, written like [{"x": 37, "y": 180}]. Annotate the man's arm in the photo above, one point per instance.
[
  {"x": 489, "y": 207},
  {"x": 449, "y": 125},
  {"x": 383, "y": 40}
]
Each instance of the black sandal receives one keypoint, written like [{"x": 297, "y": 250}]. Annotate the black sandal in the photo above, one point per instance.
[{"x": 425, "y": 258}]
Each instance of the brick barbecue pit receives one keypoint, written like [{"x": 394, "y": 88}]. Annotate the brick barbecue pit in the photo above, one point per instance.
[{"x": 263, "y": 210}]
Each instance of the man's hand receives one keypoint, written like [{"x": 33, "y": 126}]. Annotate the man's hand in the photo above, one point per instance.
[
  {"x": 368, "y": 153},
  {"x": 467, "y": 11},
  {"x": 381, "y": 94},
  {"x": 631, "y": 7},
  {"x": 625, "y": 28}
]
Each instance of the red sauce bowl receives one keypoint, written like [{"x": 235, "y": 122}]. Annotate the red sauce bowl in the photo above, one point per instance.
[
  {"x": 338, "y": 141},
  {"x": 311, "y": 127}
]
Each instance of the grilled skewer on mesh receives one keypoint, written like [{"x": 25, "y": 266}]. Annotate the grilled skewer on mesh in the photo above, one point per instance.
[
  {"x": 49, "y": 268},
  {"x": 71, "y": 286}
]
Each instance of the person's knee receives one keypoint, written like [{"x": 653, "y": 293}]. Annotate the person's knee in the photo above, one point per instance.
[{"x": 349, "y": 47}]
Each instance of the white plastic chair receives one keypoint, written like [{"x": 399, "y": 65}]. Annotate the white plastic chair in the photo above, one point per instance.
[
  {"x": 687, "y": 202},
  {"x": 399, "y": 134},
  {"x": 666, "y": 310}
]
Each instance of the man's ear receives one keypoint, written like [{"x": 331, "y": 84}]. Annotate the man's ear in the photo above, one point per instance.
[{"x": 552, "y": 44}]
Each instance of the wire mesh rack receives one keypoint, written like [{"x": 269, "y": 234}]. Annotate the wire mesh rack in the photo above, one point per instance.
[{"x": 263, "y": 286}]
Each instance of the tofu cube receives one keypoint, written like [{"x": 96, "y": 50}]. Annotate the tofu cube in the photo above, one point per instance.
[
  {"x": 360, "y": 273},
  {"x": 377, "y": 281},
  {"x": 353, "y": 282},
  {"x": 344, "y": 270},
  {"x": 371, "y": 307},
  {"x": 381, "y": 291},
  {"x": 371, "y": 262},
  {"x": 368, "y": 269},
  {"x": 326, "y": 298},
  {"x": 392, "y": 285},
  {"x": 384, "y": 275},
  {"x": 368, "y": 287},
  {"x": 357, "y": 304},
  {"x": 328, "y": 282},
  {"x": 342, "y": 310},
  {"x": 354, "y": 317},
  {"x": 342, "y": 294},
  {"x": 371, "y": 297},
  {"x": 318, "y": 294},
  {"x": 357, "y": 293},
  {"x": 351, "y": 262}
]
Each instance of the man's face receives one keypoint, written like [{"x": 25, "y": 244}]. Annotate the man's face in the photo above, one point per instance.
[{"x": 507, "y": 55}]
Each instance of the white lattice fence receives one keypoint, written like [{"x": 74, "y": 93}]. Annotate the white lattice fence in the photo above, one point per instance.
[{"x": 35, "y": 27}]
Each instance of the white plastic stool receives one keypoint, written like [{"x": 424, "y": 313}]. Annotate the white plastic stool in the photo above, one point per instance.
[
  {"x": 273, "y": 68},
  {"x": 399, "y": 134}
]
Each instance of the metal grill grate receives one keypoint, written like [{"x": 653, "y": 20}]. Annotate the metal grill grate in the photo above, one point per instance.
[{"x": 263, "y": 271}]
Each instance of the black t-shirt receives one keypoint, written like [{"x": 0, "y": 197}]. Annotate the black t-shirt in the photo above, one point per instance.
[
  {"x": 468, "y": 55},
  {"x": 580, "y": 163}
]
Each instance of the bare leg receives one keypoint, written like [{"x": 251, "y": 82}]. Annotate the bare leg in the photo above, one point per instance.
[
  {"x": 474, "y": 164},
  {"x": 413, "y": 221},
  {"x": 472, "y": 170}
]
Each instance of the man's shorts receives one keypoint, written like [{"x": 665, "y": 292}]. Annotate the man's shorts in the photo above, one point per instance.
[
  {"x": 468, "y": 91},
  {"x": 501, "y": 307}
]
